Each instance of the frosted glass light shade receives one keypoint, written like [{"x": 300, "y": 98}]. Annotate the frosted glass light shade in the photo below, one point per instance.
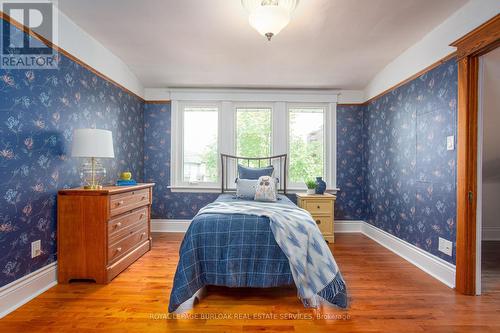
[
  {"x": 269, "y": 20},
  {"x": 90, "y": 142},
  {"x": 269, "y": 17}
]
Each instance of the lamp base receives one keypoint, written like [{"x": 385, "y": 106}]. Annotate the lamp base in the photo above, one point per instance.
[
  {"x": 92, "y": 187},
  {"x": 93, "y": 174}
]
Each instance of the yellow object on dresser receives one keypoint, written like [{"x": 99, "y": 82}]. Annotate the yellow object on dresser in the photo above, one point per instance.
[{"x": 321, "y": 207}]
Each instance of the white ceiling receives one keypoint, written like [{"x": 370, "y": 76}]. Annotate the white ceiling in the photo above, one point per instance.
[{"x": 208, "y": 43}]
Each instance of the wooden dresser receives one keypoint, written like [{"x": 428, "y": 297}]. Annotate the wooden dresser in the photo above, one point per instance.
[
  {"x": 321, "y": 207},
  {"x": 102, "y": 232}
]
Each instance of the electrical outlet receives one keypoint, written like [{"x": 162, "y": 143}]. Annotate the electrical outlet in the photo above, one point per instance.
[
  {"x": 36, "y": 248},
  {"x": 445, "y": 246},
  {"x": 450, "y": 142}
]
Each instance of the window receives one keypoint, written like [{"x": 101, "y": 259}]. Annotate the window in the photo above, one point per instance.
[
  {"x": 200, "y": 153},
  {"x": 306, "y": 144},
  {"x": 253, "y": 132},
  {"x": 251, "y": 123}
]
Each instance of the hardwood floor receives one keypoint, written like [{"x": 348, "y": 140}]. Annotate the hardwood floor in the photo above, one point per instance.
[
  {"x": 387, "y": 295},
  {"x": 490, "y": 266}
]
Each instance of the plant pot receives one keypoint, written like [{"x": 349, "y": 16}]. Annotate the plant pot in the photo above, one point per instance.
[{"x": 311, "y": 191}]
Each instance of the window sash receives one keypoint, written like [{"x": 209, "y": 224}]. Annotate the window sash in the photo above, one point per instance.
[
  {"x": 198, "y": 108},
  {"x": 238, "y": 108},
  {"x": 177, "y": 153},
  {"x": 323, "y": 108}
]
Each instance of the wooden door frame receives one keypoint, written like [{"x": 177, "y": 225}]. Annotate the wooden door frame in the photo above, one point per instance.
[{"x": 469, "y": 48}]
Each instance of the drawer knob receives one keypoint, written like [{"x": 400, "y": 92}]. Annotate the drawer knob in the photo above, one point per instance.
[
  {"x": 318, "y": 207},
  {"x": 141, "y": 216},
  {"x": 143, "y": 197},
  {"x": 118, "y": 224},
  {"x": 118, "y": 249},
  {"x": 119, "y": 203},
  {"x": 143, "y": 234},
  {"x": 318, "y": 221}
]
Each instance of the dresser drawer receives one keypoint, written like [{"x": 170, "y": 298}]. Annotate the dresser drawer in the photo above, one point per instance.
[
  {"x": 124, "y": 202},
  {"x": 324, "y": 223},
  {"x": 137, "y": 235},
  {"x": 120, "y": 226},
  {"x": 319, "y": 207}
]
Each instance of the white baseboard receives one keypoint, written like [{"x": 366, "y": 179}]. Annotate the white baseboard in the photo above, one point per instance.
[
  {"x": 348, "y": 226},
  {"x": 167, "y": 225},
  {"x": 164, "y": 225},
  {"x": 23, "y": 290},
  {"x": 490, "y": 233},
  {"x": 429, "y": 263}
]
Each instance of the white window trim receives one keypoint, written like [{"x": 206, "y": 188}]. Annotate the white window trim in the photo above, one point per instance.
[
  {"x": 329, "y": 149},
  {"x": 177, "y": 147},
  {"x": 227, "y": 101},
  {"x": 255, "y": 95}
]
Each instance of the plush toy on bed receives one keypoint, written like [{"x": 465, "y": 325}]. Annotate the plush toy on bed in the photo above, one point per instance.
[{"x": 266, "y": 189}]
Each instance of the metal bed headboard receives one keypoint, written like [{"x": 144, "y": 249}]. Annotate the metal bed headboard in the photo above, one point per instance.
[{"x": 229, "y": 161}]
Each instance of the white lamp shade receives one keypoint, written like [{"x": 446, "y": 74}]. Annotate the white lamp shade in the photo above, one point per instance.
[
  {"x": 269, "y": 19},
  {"x": 89, "y": 142}
]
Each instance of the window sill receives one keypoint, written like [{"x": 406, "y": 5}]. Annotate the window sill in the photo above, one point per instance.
[
  {"x": 196, "y": 189},
  {"x": 302, "y": 190}
]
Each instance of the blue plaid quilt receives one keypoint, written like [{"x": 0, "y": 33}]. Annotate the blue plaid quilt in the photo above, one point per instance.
[{"x": 237, "y": 250}]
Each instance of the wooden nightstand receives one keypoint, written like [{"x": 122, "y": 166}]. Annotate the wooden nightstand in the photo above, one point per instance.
[{"x": 321, "y": 207}]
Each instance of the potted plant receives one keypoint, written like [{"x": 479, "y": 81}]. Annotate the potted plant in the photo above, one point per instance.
[{"x": 311, "y": 186}]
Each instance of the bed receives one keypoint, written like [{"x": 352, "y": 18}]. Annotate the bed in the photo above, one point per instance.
[{"x": 237, "y": 242}]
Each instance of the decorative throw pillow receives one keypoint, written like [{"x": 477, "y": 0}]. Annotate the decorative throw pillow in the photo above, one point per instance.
[
  {"x": 245, "y": 188},
  {"x": 266, "y": 189},
  {"x": 254, "y": 173}
]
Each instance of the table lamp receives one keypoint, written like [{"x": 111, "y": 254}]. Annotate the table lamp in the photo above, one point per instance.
[{"x": 92, "y": 144}]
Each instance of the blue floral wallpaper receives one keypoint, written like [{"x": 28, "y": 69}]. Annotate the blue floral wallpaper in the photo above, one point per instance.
[
  {"x": 350, "y": 203},
  {"x": 410, "y": 177},
  {"x": 38, "y": 112}
]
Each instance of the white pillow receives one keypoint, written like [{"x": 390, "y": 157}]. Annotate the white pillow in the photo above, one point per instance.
[
  {"x": 266, "y": 189},
  {"x": 245, "y": 188}
]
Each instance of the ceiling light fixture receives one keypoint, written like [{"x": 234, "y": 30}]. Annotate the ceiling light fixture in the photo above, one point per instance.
[{"x": 269, "y": 17}]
